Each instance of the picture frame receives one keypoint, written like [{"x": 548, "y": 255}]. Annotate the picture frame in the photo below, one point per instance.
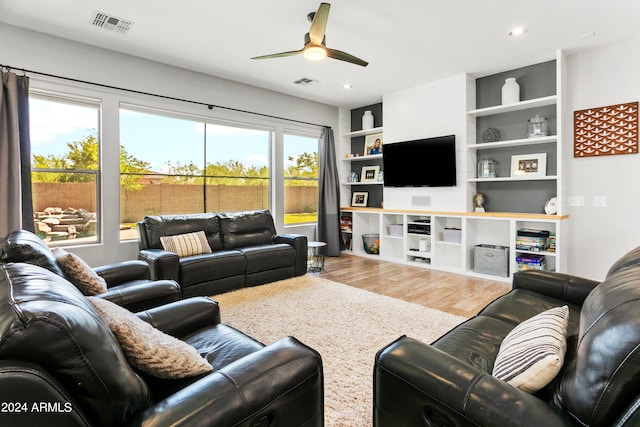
[
  {"x": 359, "y": 199},
  {"x": 369, "y": 174},
  {"x": 371, "y": 146},
  {"x": 529, "y": 165}
]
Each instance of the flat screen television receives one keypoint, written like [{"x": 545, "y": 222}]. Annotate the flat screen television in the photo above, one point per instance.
[{"x": 427, "y": 162}]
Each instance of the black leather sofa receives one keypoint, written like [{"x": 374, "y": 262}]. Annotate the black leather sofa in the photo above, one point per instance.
[
  {"x": 245, "y": 251},
  {"x": 128, "y": 283},
  {"x": 61, "y": 366},
  {"x": 449, "y": 382}
]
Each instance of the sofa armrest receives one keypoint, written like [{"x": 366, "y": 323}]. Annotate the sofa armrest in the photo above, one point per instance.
[
  {"x": 566, "y": 287},
  {"x": 162, "y": 264},
  {"x": 140, "y": 295},
  {"x": 182, "y": 317},
  {"x": 281, "y": 382},
  {"x": 25, "y": 388},
  {"x": 447, "y": 391},
  {"x": 122, "y": 272},
  {"x": 299, "y": 242}
]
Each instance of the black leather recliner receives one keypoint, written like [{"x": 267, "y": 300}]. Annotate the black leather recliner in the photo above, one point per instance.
[
  {"x": 61, "y": 366},
  {"x": 449, "y": 382},
  {"x": 245, "y": 251},
  {"x": 129, "y": 283}
]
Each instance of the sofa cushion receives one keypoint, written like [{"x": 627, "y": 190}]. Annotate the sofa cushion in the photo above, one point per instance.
[
  {"x": 24, "y": 246},
  {"x": 79, "y": 273},
  {"x": 148, "y": 349},
  {"x": 47, "y": 321},
  {"x": 247, "y": 228},
  {"x": 269, "y": 257},
  {"x": 169, "y": 225},
  {"x": 532, "y": 354},
  {"x": 186, "y": 244},
  {"x": 217, "y": 265},
  {"x": 220, "y": 344}
]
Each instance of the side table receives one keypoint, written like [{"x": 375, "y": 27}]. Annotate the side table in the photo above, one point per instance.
[{"x": 315, "y": 257}]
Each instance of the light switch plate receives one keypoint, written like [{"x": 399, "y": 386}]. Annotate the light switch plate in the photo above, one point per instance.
[
  {"x": 600, "y": 201},
  {"x": 575, "y": 201}
]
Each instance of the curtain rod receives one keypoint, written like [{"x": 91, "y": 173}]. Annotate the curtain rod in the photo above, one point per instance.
[{"x": 209, "y": 106}]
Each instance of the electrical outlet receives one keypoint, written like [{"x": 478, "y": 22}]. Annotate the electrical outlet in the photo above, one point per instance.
[
  {"x": 575, "y": 201},
  {"x": 600, "y": 201}
]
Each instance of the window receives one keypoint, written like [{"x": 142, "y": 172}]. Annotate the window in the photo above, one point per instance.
[
  {"x": 237, "y": 174},
  {"x": 65, "y": 150},
  {"x": 171, "y": 165},
  {"x": 300, "y": 179}
]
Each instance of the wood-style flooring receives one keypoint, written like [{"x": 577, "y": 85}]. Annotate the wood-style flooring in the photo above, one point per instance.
[{"x": 452, "y": 293}]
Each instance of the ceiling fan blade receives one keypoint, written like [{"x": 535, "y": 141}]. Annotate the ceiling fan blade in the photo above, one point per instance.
[
  {"x": 344, "y": 56},
  {"x": 279, "y": 55},
  {"x": 319, "y": 23}
]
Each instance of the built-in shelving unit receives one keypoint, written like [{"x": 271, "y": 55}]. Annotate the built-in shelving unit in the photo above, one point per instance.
[
  {"x": 441, "y": 249},
  {"x": 514, "y": 203},
  {"x": 356, "y": 159}
]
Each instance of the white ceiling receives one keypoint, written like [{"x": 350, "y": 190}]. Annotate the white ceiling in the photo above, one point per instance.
[{"x": 406, "y": 42}]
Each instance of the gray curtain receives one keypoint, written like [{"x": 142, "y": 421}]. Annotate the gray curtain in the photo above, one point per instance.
[
  {"x": 16, "y": 204},
  {"x": 329, "y": 196}
]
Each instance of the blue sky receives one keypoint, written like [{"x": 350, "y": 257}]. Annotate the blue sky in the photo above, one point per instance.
[{"x": 155, "y": 139}]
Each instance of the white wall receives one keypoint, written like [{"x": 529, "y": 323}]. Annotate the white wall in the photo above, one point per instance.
[
  {"x": 52, "y": 55},
  {"x": 600, "y": 235},
  {"x": 429, "y": 110}
]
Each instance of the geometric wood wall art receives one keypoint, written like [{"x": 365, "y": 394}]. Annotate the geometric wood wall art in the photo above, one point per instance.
[{"x": 606, "y": 131}]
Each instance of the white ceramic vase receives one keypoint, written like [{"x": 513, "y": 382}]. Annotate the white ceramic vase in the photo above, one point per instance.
[
  {"x": 367, "y": 120},
  {"x": 510, "y": 91}
]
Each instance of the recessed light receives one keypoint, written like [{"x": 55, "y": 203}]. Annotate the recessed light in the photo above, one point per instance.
[
  {"x": 517, "y": 32},
  {"x": 347, "y": 86}
]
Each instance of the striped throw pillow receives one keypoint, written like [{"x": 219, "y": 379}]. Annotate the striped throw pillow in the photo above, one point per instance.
[
  {"x": 186, "y": 244},
  {"x": 532, "y": 354}
]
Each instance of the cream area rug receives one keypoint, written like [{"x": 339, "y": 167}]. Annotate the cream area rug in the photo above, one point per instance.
[{"x": 346, "y": 325}]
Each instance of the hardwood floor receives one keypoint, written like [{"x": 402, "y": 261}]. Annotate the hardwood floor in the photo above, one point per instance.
[{"x": 453, "y": 293}]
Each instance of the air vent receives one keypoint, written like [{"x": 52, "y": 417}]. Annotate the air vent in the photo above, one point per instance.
[
  {"x": 110, "y": 22},
  {"x": 305, "y": 81}
]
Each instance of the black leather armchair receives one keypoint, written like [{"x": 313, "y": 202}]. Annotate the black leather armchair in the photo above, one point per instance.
[
  {"x": 129, "y": 283},
  {"x": 449, "y": 382},
  {"x": 60, "y": 365}
]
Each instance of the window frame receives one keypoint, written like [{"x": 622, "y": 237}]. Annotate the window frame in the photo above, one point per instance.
[{"x": 87, "y": 102}]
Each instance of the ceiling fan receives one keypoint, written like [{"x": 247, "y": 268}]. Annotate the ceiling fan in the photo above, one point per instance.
[{"x": 314, "y": 41}]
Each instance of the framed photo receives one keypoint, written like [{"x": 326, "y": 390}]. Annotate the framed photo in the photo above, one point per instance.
[
  {"x": 373, "y": 144},
  {"x": 529, "y": 165},
  {"x": 370, "y": 174},
  {"x": 359, "y": 198}
]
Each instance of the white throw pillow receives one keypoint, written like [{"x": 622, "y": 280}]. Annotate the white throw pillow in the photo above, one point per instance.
[
  {"x": 147, "y": 348},
  {"x": 186, "y": 244},
  {"x": 79, "y": 273},
  {"x": 532, "y": 354}
]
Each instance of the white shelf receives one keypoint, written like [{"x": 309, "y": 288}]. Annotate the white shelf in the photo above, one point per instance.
[
  {"x": 509, "y": 178},
  {"x": 362, "y": 132},
  {"x": 363, "y": 183},
  {"x": 514, "y": 142},
  {"x": 518, "y": 106},
  {"x": 362, "y": 158}
]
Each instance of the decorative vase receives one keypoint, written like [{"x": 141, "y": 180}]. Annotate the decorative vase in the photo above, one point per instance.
[
  {"x": 367, "y": 120},
  {"x": 510, "y": 91}
]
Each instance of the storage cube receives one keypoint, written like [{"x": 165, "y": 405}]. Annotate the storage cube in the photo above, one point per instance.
[{"x": 491, "y": 259}]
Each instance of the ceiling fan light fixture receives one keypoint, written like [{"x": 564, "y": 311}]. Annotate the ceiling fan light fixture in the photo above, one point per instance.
[
  {"x": 518, "y": 31},
  {"x": 315, "y": 53}
]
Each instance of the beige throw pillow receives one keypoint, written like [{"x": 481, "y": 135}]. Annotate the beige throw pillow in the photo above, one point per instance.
[
  {"x": 147, "y": 348},
  {"x": 532, "y": 354},
  {"x": 186, "y": 244},
  {"x": 79, "y": 273}
]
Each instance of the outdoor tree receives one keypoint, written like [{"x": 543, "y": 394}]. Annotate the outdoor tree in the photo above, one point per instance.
[{"x": 304, "y": 168}]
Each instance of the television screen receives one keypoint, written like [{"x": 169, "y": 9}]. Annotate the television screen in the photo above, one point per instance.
[{"x": 428, "y": 162}]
